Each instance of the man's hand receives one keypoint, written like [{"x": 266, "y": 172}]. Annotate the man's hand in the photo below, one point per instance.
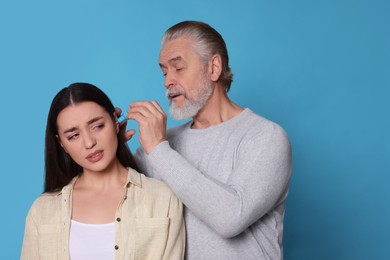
[
  {"x": 122, "y": 126},
  {"x": 152, "y": 123}
]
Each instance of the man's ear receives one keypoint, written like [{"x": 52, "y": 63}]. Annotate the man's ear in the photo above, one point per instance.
[
  {"x": 59, "y": 141},
  {"x": 215, "y": 67}
]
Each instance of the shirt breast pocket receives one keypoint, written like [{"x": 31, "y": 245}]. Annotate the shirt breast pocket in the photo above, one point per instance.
[{"x": 151, "y": 235}]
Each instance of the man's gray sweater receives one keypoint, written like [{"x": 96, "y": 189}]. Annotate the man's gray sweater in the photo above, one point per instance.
[{"x": 233, "y": 179}]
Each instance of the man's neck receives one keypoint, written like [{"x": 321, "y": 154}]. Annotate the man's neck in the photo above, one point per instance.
[{"x": 218, "y": 109}]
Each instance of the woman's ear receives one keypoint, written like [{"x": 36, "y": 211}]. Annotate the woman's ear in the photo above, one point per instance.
[
  {"x": 215, "y": 67},
  {"x": 116, "y": 123},
  {"x": 59, "y": 141}
]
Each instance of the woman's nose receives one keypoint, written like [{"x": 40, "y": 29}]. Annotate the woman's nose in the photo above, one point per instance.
[{"x": 89, "y": 141}]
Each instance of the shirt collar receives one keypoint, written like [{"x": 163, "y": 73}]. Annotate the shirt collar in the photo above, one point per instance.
[{"x": 133, "y": 177}]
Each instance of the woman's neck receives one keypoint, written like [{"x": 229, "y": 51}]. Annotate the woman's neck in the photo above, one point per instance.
[
  {"x": 96, "y": 195},
  {"x": 113, "y": 176}
]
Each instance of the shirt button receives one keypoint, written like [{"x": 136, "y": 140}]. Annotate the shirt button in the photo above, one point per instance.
[
  {"x": 116, "y": 247},
  {"x": 118, "y": 219},
  {"x": 125, "y": 198}
]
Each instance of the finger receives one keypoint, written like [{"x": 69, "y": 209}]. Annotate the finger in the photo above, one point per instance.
[
  {"x": 138, "y": 117},
  {"x": 146, "y": 109},
  {"x": 138, "y": 111},
  {"x": 145, "y": 104},
  {"x": 157, "y": 106},
  {"x": 129, "y": 134},
  {"x": 118, "y": 111}
]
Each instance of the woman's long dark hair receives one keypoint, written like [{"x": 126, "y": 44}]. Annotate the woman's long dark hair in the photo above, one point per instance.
[{"x": 60, "y": 168}]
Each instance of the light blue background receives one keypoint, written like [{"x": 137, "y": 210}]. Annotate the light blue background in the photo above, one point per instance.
[{"x": 319, "y": 68}]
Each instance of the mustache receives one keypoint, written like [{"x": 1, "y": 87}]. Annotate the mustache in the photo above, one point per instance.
[{"x": 174, "y": 91}]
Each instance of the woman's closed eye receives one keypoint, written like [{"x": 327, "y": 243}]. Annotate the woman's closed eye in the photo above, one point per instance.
[
  {"x": 73, "y": 136},
  {"x": 98, "y": 126}
]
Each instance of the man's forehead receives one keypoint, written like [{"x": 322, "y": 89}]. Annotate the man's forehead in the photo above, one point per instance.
[
  {"x": 173, "y": 53},
  {"x": 175, "y": 48}
]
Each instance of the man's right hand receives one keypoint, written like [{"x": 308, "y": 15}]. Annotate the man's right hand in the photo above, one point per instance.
[{"x": 152, "y": 123}]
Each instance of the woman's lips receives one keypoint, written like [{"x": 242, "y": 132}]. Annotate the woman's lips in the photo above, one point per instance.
[{"x": 95, "y": 156}]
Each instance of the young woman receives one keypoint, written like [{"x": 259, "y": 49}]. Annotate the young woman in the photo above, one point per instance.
[{"x": 95, "y": 204}]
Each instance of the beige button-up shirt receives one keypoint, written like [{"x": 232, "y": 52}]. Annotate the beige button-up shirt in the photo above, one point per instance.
[{"x": 148, "y": 223}]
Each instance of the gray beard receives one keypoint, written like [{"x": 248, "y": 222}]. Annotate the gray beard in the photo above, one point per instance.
[{"x": 192, "y": 106}]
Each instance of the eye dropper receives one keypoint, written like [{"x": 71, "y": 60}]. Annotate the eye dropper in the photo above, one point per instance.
[{"x": 122, "y": 118}]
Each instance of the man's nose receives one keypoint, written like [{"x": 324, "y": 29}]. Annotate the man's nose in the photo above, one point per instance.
[{"x": 169, "y": 81}]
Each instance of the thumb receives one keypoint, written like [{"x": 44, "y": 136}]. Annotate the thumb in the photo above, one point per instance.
[{"x": 129, "y": 134}]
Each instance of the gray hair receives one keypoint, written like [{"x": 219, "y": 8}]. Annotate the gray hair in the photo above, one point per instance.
[{"x": 206, "y": 42}]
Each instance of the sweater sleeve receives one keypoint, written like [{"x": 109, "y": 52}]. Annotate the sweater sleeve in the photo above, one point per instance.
[{"x": 257, "y": 184}]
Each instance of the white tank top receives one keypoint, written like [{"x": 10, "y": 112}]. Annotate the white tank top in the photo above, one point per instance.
[{"x": 91, "y": 241}]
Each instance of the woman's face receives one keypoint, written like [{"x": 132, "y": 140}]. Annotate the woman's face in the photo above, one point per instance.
[{"x": 88, "y": 134}]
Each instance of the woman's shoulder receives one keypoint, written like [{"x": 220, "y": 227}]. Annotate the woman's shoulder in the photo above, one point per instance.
[
  {"x": 46, "y": 199},
  {"x": 156, "y": 198},
  {"x": 46, "y": 206},
  {"x": 53, "y": 198},
  {"x": 150, "y": 185}
]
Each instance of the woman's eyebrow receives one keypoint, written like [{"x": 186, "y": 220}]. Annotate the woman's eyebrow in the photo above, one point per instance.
[{"x": 91, "y": 121}]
